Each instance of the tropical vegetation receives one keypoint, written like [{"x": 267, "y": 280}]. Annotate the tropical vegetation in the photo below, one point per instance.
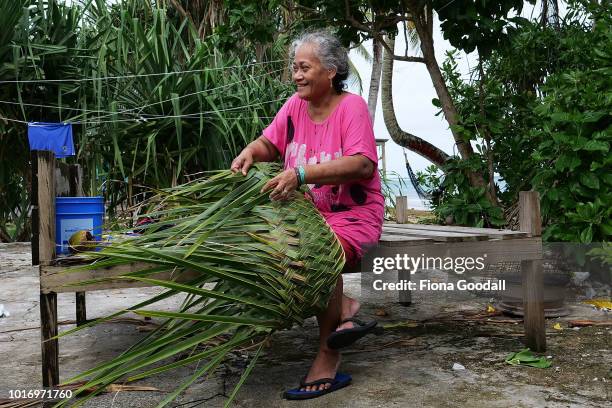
[
  {"x": 247, "y": 266},
  {"x": 162, "y": 91}
]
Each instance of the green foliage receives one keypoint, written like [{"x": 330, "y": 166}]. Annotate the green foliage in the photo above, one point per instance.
[
  {"x": 544, "y": 102},
  {"x": 454, "y": 198},
  {"x": 575, "y": 177},
  {"x": 477, "y": 24},
  {"x": 38, "y": 39},
  {"x": 147, "y": 130}
]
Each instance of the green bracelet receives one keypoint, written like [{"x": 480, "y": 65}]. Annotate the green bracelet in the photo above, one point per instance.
[{"x": 301, "y": 175}]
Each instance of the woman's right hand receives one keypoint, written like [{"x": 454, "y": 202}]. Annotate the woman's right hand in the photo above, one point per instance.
[{"x": 243, "y": 161}]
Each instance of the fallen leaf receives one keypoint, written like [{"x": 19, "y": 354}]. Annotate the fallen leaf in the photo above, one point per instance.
[
  {"x": 120, "y": 387},
  {"x": 599, "y": 303},
  {"x": 401, "y": 325},
  {"x": 381, "y": 312},
  {"x": 576, "y": 324},
  {"x": 526, "y": 357},
  {"x": 557, "y": 326}
]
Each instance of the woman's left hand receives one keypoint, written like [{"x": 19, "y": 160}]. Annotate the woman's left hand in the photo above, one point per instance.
[{"x": 282, "y": 186}]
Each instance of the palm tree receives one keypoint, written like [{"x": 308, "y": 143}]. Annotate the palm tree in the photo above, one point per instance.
[
  {"x": 399, "y": 136},
  {"x": 550, "y": 13}
]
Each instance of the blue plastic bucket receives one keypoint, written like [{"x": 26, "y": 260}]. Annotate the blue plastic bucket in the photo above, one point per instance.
[{"x": 73, "y": 214}]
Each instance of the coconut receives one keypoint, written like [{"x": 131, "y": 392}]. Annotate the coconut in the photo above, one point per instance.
[{"x": 81, "y": 241}]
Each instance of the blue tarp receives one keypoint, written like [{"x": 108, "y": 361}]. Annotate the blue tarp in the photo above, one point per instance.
[{"x": 55, "y": 137}]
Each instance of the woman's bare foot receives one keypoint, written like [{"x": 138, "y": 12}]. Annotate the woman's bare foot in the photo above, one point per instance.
[
  {"x": 350, "y": 307},
  {"x": 325, "y": 365}
]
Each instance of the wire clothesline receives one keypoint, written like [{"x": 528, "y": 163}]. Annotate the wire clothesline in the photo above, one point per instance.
[
  {"x": 145, "y": 119},
  {"x": 30, "y": 81},
  {"x": 138, "y": 108}
]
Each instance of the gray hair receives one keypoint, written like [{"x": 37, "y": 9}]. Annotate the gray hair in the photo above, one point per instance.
[{"x": 330, "y": 52}]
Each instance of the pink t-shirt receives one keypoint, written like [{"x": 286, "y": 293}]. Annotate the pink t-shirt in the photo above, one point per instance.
[{"x": 354, "y": 210}]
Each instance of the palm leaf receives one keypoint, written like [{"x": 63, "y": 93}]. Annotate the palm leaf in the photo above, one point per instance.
[{"x": 262, "y": 266}]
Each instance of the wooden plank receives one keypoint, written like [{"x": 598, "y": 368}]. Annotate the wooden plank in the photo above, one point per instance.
[
  {"x": 75, "y": 175},
  {"x": 529, "y": 213},
  {"x": 55, "y": 279},
  {"x": 401, "y": 205},
  {"x": 399, "y": 241},
  {"x": 408, "y": 228},
  {"x": 491, "y": 232},
  {"x": 442, "y": 236},
  {"x": 62, "y": 179},
  {"x": 514, "y": 250},
  {"x": 46, "y": 207},
  {"x": 533, "y": 305}
]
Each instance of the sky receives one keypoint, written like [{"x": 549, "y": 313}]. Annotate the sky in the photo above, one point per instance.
[{"x": 412, "y": 95}]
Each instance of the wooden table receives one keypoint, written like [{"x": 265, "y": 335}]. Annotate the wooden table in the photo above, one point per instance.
[{"x": 503, "y": 245}]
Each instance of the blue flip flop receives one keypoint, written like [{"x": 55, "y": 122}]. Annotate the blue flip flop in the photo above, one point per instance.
[{"x": 340, "y": 381}]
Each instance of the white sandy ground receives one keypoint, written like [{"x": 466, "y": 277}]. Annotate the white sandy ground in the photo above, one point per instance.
[{"x": 402, "y": 368}]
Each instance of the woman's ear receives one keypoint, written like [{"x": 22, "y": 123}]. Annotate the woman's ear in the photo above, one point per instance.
[{"x": 331, "y": 73}]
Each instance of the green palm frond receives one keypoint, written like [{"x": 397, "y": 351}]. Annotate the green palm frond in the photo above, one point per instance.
[
  {"x": 354, "y": 77},
  {"x": 256, "y": 266}
]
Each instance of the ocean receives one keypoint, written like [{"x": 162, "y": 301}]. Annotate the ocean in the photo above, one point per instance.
[
  {"x": 395, "y": 186},
  {"x": 403, "y": 186}
]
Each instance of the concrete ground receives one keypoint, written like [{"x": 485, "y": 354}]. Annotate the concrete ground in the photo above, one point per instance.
[{"x": 409, "y": 365}]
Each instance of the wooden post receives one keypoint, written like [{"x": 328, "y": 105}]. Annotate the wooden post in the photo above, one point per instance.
[
  {"x": 46, "y": 254},
  {"x": 532, "y": 275},
  {"x": 76, "y": 190},
  {"x": 46, "y": 207},
  {"x": 533, "y": 305},
  {"x": 529, "y": 213},
  {"x": 34, "y": 205},
  {"x": 81, "y": 309},
  {"x": 405, "y": 296},
  {"x": 50, "y": 348},
  {"x": 401, "y": 205}
]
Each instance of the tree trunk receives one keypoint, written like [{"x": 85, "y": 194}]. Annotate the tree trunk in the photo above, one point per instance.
[
  {"x": 424, "y": 27},
  {"x": 399, "y": 136},
  {"x": 375, "y": 78},
  {"x": 486, "y": 134}
]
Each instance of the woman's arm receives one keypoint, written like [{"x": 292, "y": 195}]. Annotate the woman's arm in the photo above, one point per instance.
[
  {"x": 259, "y": 150},
  {"x": 342, "y": 170}
]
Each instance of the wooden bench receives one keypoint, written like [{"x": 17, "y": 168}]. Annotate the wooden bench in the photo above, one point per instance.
[{"x": 503, "y": 245}]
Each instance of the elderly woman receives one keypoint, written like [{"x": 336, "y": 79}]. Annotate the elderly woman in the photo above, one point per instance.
[{"x": 324, "y": 136}]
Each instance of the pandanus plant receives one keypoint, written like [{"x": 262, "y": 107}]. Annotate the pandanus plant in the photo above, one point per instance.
[{"x": 253, "y": 266}]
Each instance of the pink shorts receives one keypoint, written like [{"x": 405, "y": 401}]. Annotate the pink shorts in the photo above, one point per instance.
[{"x": 352, "y": 257}]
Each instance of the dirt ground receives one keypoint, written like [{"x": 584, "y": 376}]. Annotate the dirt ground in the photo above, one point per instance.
[{"x": 411, "y": 364}]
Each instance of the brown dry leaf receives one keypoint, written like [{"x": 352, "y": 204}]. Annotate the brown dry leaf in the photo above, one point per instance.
[
  {"x": 109, "y": 388},
  {"x": 147, "y": 328},
  {"x": 381, "y": 312},
  {"x": 120, "y": 387}
]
